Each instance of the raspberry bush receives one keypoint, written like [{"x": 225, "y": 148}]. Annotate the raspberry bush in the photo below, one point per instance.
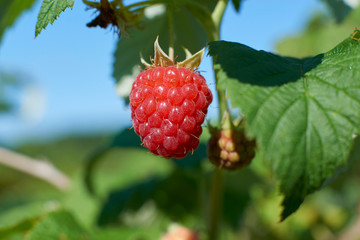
[{"x": 300, "y": 122}]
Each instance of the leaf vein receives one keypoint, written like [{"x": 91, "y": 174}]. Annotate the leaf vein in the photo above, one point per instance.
[
  {"x": 344, "y": 116},
  {"x": 337, "y": 88},
  {"x": 286, "y": 109},
  {"x": 264, "y": 101},
  {"x": 329, "y": 121},
  {"x": 322, "y": 169}
]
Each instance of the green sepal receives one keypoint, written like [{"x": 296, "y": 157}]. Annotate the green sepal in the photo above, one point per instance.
[
  {"x": 193, "y": 61},
  {"x": 161, "y": 59}
]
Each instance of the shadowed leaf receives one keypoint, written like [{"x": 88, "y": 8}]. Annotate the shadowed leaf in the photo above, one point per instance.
[
  {"x": 10, "y": 11},
  {"x": 166, "y": 192},
  {"x": 339, "y": 9}
]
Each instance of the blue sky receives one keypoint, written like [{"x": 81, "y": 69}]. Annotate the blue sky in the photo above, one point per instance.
[{"x": 67, "y": 68}]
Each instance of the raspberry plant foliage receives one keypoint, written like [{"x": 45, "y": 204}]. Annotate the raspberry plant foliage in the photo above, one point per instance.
[
  {"x": 50, "y": 10},
  {"x": 310, "y": 144},
  {"x": 10, "y": 11},
  {"x": 304, "y": 113}
]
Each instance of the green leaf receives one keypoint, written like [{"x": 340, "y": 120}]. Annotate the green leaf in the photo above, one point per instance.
[
  {"x": 126, "y": 138},
  {"x": 302, "y": 112},
  {"x": 19, "y": 228},
  {"x": 320, "y": 35},
  {"x": 339, "y": 9},
  {"x": 5, "y": 106},
  {"x": 49, "y": 11},
  {"x": 10, "y": 11},
  {"x": 19, "y": 212},
  {"x": 237, "y": 196},
  {"x": 149, "y": 231},
  {"x": 166, "y": 192},
  {"x": 190, "y": 24},
  {"x": 131, "y": 198},
  {"x": 59, "y": 224},
  {"x": 236, "y": 4}
]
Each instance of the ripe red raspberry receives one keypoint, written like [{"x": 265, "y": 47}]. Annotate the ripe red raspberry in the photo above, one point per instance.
[{"x": 168, "y": 105}]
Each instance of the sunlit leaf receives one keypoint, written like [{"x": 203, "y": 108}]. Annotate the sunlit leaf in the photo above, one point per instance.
[
  {"x": 59, "y": 224},
  {"x": 302, "y": 112},
  {"x": 128, "y": 138},
  {"x": 49, "y": 11},
  {"x": 19, "y": 228},
  {"x": 166, "y": 192}
]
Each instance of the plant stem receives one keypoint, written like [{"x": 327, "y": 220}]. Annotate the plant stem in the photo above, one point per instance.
[
  {"x": 223, "y": 104},
  {"x": 216, "y": 197},
  {"x": 171, "y": 33},
  {"x": 37, "y": 168},
  {"x": 217, "y": 16}
]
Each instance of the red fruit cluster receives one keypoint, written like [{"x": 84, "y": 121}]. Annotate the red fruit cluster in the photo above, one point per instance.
[
  {"x": 168, "y": 106},
  {"x": 231, "y": 149}
]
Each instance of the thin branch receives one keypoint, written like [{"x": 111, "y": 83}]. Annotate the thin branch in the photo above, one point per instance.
[
  {"x": 37, "y": 168},
  {"x": 171, "y": 34},
  {"x": 216, "y": 204},
  {"x": 216, "y": 194},
  {"x": 217, "y": 16}
]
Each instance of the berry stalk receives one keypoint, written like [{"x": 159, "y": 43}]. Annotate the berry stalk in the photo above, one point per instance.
[
  {"x": 216, "y": 201},
  {"x": 217, "y": 16},
  {"x": 216, "y": 196},
  {"x": 171, "y": 34}
]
